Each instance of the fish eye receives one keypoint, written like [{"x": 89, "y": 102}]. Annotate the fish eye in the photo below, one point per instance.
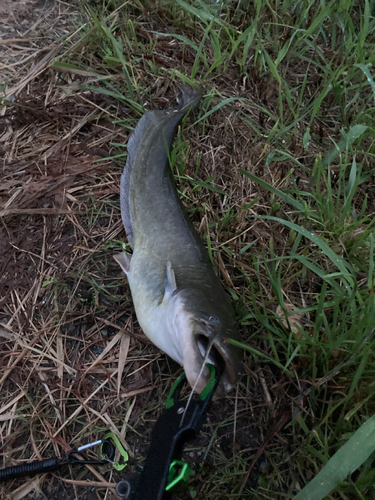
[{"x": 214, "y": 320}]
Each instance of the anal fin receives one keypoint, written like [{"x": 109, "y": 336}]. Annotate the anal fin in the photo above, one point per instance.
[{"x": 123, "y": 259}]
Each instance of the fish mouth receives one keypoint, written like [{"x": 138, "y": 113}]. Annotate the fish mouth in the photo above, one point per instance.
[
  {"x": 210, "y": 352},
  {"x": 217, "y": 352}
]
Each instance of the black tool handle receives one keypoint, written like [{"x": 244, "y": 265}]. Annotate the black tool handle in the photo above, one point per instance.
[
  {"x": 169, "y": 436},
  {"x": 179, "y": 424},
  {"x": 33, "y": 468}
]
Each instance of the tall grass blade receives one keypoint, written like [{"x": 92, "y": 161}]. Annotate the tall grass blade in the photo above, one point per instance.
[
  {"x": 203, "y": 14},
  {"x": 343, "y": 463},
  {"x": 366, "y": 70},
  {"x": 256, "y": 352},
  {"x": 344, "y": 143},
  {"x": 182, "y": 38},
  {"x": 284, "y": 196},
  {"x": 345, "y": 268}
]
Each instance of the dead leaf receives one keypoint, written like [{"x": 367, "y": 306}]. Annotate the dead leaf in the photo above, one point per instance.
[
  {"x": 7, "y": 416},
  {"x": 293, "y": 320},
  {"x": 25, "y": 489},
  {"x": 5, "y": 334},
  {"x": 60, "y": 355},
  {"x": 123, "y": 354},
  {"x": 8, "y": 7}
]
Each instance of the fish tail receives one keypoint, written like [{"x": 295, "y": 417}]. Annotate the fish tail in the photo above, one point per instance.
[{"x": 189, "y": 98}]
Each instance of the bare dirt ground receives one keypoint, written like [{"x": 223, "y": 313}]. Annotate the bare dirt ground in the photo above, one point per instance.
[
  {"x": 67, "y": 324},
  {"x": 50, "y": 190},
  {"x": 73, "y": 360}
]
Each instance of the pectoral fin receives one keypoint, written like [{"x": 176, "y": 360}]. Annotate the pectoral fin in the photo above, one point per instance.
[
  {"x": 169, "y": 283},
  {"x": 124, "y": 260}
]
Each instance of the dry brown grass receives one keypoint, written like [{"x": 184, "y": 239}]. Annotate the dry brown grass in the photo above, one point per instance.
[
  {"x": 72, "y": 364},
  {"x": 73, "y": 360}
]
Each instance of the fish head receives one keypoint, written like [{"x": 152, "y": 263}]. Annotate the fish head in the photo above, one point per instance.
[{"x": 204, "y": 329}]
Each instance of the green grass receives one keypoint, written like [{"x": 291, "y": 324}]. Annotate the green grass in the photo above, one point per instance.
[{"x": 279, "y": 162}]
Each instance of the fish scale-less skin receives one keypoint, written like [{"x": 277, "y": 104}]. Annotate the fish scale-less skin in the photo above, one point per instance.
[{"x": 173, "y": 307}]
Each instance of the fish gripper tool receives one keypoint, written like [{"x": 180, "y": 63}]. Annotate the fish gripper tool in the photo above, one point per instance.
[{"x": 181, "y": 422}]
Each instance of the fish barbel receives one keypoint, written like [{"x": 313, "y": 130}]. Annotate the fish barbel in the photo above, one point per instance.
[{"x": 178, "y": 299}]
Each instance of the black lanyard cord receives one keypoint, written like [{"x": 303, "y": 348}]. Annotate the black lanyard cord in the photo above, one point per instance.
[{"x": 32, "y": 468}]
